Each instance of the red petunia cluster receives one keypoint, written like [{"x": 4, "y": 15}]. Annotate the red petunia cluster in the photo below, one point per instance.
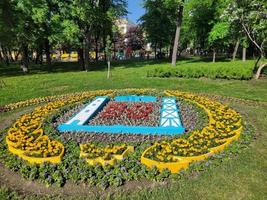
[
  {"x": 113, "y": 109},
  {"x": 134, "y": 111}
]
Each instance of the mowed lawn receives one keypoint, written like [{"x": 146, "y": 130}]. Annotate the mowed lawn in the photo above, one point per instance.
[
  {"x": 241, "y": 177},
  {"x": 68, "y": 78}
]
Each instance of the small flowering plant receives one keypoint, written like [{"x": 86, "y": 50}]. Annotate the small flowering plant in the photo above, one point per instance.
[
  {"x": 92, "y": 151},
  {"x": 104, "y": 155}
]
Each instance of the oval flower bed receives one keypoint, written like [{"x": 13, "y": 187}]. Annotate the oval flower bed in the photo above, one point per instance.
[
  {"x": 224, "y": 127},
  {"x": 112, "y": 161}
]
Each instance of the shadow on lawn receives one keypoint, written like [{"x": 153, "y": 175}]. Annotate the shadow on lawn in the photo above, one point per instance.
[{"x": 62, "y": 67}]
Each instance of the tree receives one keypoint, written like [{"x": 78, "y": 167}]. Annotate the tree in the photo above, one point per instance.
[
  {"x": 92, "y": 15},
  {"x": 218, "y": 37},
  {"x": 251, "y": 15},
  {"x": 7, "y": 35},
  {"x": 158, "y": 24},
  {"x": 134, "y": 38},
  {"x": 27, "y": 32},
  {"x": 199, "y": 18}
]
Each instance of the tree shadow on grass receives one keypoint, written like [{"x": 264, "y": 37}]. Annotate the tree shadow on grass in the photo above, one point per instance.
[{"x": 64, "y": 67}]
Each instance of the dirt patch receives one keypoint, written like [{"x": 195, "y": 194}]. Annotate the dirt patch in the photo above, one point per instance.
[{"x": 7, "y": 121}]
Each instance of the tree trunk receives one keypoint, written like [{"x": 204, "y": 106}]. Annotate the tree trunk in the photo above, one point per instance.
[
  {"x": 1, "y": 57},
  {"x": 177, "y": 35},
  {"x": 160, "y": 51},
  {"x": 81, "y": 58},
  {"x": 10, "y": 55},
  {"x": 236, "y": 49},
  {"x": 114, "y": 50},
  {"x": 260, "y": 70},
  {"x": 47, "y": 54},
  {"x": 175, "y": 46},
  {"x": 25, "y": 59},
  {"x": 96, "y": 49},
  {"x": 214, "y": 56},
  {"x": 244, "y": 54},
  {"x": 104, "y": 39},
  {"x": 5, "y": 56},
  {"x": 39, "y": 55},
  {"x": 17, "y": 55},
  {"x": 109, "y": 73},
  {"x": 155, "y": 51},
  {"x": 86, "y": 51}
]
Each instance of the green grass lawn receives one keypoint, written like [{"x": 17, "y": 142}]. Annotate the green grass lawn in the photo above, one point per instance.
[
  {"x": 241, "y": 177},
  {"x": 67, "y": 78}
]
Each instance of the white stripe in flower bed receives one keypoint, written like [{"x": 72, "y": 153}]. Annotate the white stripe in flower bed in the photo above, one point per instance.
[
  {"x": 170, "y": 114},
  {"x": 85, "y": 114}
]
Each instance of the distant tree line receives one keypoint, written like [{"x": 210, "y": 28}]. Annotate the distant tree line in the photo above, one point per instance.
[
  {"x": 29, "y": 26},
  {"x": 170, "y": 26},
  {"x": 200, "y": 27}
]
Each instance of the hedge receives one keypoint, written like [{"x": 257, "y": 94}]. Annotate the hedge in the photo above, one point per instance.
[{"x": 239, "y": 71}]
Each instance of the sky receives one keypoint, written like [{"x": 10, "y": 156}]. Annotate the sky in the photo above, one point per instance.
[{"x": 135, "y": 10}]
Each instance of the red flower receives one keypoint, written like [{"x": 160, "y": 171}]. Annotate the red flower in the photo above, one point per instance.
[{"x": 134, "y": 111}]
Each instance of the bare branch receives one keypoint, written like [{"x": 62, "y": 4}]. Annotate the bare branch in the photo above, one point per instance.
[{"x": 250, "y": 37}]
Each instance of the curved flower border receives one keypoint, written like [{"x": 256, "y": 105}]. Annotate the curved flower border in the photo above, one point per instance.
[
  {"x": 26, "y": 137},
  {"x": 225, "y": 126}
]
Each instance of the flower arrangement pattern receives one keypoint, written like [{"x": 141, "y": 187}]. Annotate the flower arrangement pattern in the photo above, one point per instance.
[
  {"x": 224, "y": 126},
  {"x": 27, "y": 140},
  {"x": 26, "y": 137}
]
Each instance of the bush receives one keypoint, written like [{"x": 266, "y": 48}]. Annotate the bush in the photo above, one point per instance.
[{"x": 222, "y": 70}]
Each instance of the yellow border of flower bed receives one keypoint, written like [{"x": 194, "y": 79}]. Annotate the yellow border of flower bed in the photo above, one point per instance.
[
  {"x": 183, "y": 162},
  {"x": 22, "y": 130},
  {"x": 103, "y": 162},
  {"x": 35, "y": 160}
]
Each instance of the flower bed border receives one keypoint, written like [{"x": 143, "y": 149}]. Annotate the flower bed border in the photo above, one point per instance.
[
  {"x": 183, "y": 162},
  {"x": 35, "y": 160},
  {"x": 48, "y": 108}
]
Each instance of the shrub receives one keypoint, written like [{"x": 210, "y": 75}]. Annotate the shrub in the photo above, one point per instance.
[{"x": 223, "y": 70}]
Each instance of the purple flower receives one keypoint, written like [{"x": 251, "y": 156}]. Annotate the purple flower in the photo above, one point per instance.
[{"x": 123, "y": 168}]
